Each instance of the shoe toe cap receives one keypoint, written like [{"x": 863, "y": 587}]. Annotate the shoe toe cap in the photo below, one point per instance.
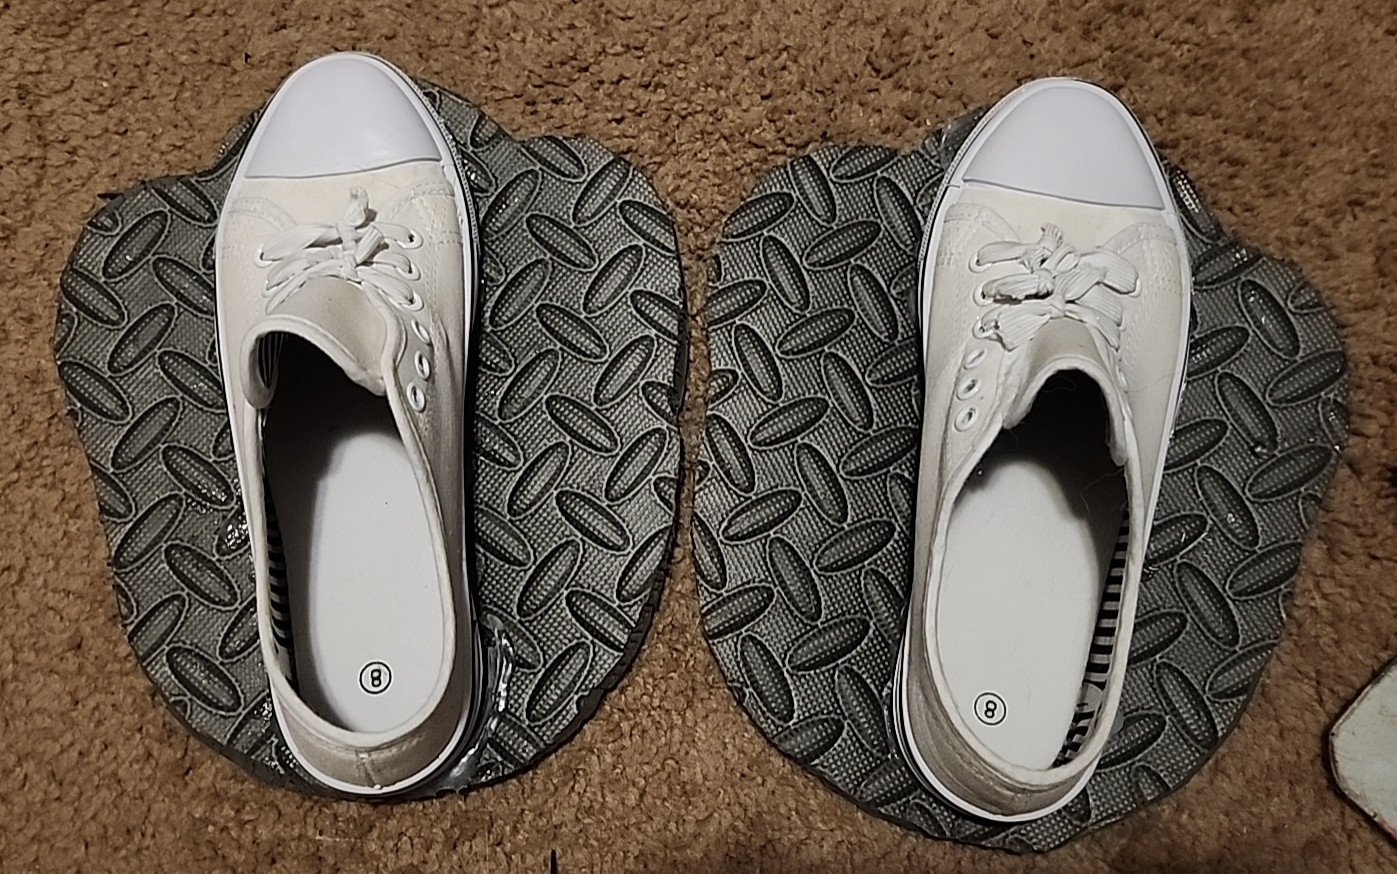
[
  {"x": 1072, "y": 140},
  {"x": 343, "y": 113}
]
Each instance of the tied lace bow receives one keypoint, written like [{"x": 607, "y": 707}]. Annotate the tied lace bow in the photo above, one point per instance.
[
  {"x": 353, "y": 248},
  {"x": 1060, "y": 282}
]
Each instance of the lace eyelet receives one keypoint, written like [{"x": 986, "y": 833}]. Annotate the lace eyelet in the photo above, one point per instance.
[
  {"x": 972, "y": 359},
  {"x": 416, "y": 397},
  {"x": 413, "y": 241},
  {"x": 412, "y": 305},
  {"x": 980, "y": 298},
  {"x": 261, "y": 260},
  {"x": 981, "y": 331},
  {"x": 422, "y": 365},
  {"x": 966, "y": 418},
  {"x": 411, "y": 273},
  {"x": 968, "y": 388},
  {"x": 422, "y": 333},
  {"x": 976, "y": 266}
]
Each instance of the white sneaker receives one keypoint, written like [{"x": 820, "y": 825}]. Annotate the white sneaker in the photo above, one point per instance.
[
  {"x": 346, "y": 275},
  {"x": 1055, "y": 307}
]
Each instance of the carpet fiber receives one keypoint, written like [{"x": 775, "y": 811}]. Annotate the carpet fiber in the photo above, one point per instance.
[{"x": 1283, "y": 113}]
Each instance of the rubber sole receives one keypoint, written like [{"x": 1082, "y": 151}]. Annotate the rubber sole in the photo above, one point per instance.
[
  {"x": 581, "y": 360},
  {"x": 802, "y": 534}
]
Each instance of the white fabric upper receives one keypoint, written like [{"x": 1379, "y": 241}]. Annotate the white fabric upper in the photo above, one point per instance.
[
  {"x": 983, "y": 376},
  {"x": 352, "y": 308}
]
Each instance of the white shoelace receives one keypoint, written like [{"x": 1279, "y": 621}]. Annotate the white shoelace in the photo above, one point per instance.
[
  {"x": 354, "y": 248},
  {"x": 1060, "y": 282}
]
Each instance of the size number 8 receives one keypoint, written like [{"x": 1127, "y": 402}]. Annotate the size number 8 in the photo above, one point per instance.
[
  {"x": 375, "y": 677},
  {"x": 989, "y": 708}
]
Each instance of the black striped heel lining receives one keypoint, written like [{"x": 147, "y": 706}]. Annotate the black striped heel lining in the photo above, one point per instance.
[{"x": 1103, "y": 644}]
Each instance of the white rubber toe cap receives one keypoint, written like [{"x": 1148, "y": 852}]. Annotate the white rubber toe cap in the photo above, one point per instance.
[
  {"x": 344, "y": 113},
  {"x": 1070, "y": 139}
]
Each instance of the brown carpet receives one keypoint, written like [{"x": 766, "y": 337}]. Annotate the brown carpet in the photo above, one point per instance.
[{"x": 1283, "y": 112}]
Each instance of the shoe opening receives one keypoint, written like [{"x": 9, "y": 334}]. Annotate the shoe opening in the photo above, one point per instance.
[
  {"x": 358, "y": 589},
  {"x": 1030, "y": 587}
]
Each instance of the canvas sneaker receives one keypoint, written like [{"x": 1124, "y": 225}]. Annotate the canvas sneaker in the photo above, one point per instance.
[
  {"x": 1055, "y": 304},
  {"x": 345, "y": 282}
]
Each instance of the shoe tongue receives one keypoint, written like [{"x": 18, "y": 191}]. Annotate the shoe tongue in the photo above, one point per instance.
[
  {"x": 341, "y": 320},
  {"x": 1062, "y": 345}
]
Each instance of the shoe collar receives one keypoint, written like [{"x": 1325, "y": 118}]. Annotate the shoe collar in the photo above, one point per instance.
[{"x": 1061, "y": 346}]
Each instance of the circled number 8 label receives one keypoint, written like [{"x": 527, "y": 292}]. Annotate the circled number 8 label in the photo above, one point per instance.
[
  {"x": 375, "y": 677},
  {"x": 989, "y": 708}
]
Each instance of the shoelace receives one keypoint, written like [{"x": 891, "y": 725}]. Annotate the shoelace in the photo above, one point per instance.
[
  {"x": 1060, "y": 282},
  {"x": 353, "y": 248}
]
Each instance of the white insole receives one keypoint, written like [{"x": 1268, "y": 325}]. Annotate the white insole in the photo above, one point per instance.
[
  {"x": 1028, "y": 546},
  {"x": 367, "y": 613}
]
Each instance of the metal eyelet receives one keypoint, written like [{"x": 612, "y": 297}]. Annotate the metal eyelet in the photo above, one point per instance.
[
  {"x": 966, "y": 418},
  {"x": 422, "y": 365},
  {"x": 422, "y": 333},
  {"x": 968, "y": 388},
  {"x": 972, "y": 359},
  {"x": 416, "y": 398}
]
